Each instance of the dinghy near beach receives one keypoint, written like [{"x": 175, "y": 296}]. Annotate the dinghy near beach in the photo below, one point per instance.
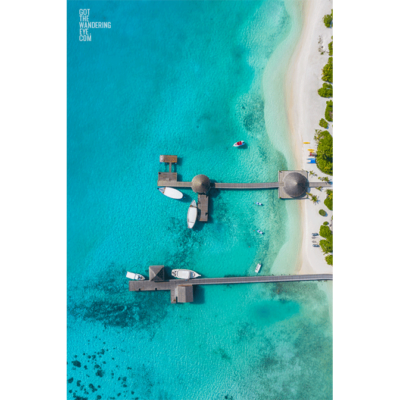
[
  {"x": 184, "y": 274},
  {"x": 192, "y": 214},
  {"x": 171, "y": 192}
]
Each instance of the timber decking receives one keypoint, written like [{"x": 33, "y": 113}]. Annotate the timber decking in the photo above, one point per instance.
[
  {"x": 163, "y": 181},
  {"x": 265, "y": 185},
  {"x": 319, "y": 184},
  {"x": 167, "y": 178},
  {"x": 146, "y": 285},
  {"x": 202, "y": 207},
  {"x": 169, "y": 159}
]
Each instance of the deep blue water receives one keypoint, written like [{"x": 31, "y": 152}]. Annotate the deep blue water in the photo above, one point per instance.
[{"x": 182, "y": 78}]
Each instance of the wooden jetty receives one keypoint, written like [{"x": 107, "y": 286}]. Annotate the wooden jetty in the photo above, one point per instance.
[
  {"x": 290, "y": 185},
  {"x": 182, "y": 289},
  {"x": 202, "y": 206},
  {"x": 170, "y": 176}
]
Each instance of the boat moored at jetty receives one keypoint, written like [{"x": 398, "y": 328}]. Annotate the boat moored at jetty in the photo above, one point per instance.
[
  {"x": 171, "y": 192},
  {"x": 240, "y": 143},
  {"x": 259, "y": 265},
  {"x": 184, "y": 274},
  {"x": 192, "y": 214},
  {"x": 135, "y": 277}
]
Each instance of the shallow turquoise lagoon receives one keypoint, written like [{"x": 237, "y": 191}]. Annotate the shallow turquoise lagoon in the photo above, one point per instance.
[{"x": 183, "y": 78}]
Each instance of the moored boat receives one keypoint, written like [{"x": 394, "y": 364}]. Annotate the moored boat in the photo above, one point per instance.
[
  {"x": 171, "y": 192},
  {"x": 136, "y": 277},
  {"x": 258, "y": 268},
  {"x": 192, "y": 214},
  {"x": 259, "y": 204},
  {"x": 184, "y": 274},
  {"x": 240, "y": 143},
  {"x": 260, "y": 232}
]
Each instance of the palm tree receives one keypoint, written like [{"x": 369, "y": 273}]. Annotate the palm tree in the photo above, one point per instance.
[{"x": 314, "y": 199}]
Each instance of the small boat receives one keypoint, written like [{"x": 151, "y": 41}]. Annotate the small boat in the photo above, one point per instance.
[
  {"x": 239, "y": 144},
  {"x": 260, "y": 232},
  {"x": 258, "y": 204},
  {"x": 171, "y": 192},
  {"x": 136, "y": 277},
  {"x": 184, "y": 274},
  {"x": 258, "y": 268},
  {"x": 192, "y": 214}
]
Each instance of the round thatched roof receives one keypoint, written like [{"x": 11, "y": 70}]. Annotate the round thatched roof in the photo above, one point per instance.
[
  {"x": 295, "y": 184},
  {"x": 201, "y": 184}
]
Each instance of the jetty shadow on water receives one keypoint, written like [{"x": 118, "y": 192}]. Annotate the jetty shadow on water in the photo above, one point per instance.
[
  {"x": 167, "y": 271},
  {"x": 187, "y": 198},
  {"x": 198, "y": 294},
  {"x": 199, "y": 226}
]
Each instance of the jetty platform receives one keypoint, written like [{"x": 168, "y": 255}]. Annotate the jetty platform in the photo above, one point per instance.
[
  {"x": 290, "y": 185},
  {"x": 182, "y": 289}
]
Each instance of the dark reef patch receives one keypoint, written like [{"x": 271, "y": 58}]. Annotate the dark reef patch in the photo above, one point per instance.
[{"x": 107, "y": 300}]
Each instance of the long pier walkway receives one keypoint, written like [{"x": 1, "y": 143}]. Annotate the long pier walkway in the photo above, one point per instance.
[
  {"x": 246, "y": 186},
  {"x": 181, "y": 290},
  {"x": 147, "y": 285}
]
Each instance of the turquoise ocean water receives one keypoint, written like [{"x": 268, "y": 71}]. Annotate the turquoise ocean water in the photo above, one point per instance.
[{"x": 187, "y": 78}]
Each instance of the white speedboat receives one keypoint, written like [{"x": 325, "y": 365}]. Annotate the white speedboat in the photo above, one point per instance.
[
  {"x": 260, "y": 232},
  {"x": 240, "y": 143},
  {"x": 136, "y": 277},
  {"x": 258, "y": 268},
  {"x": 258, "y": 204},
  {"x": 192, "y": 214},
  {"x": 171, "y": 192},
  {"x": 184, "y": 274}
]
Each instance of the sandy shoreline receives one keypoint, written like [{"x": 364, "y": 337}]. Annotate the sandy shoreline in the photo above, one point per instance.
[{"x": 305, "y": 108}]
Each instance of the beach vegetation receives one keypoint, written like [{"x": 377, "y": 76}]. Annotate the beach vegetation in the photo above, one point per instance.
[
  {"x": 329, "y": 204},
  {"x": 326, "y": 246},
  {"x": 329, "y": 259},
  {"x": 326, "y": 90},
  {"x": 327, "y": 71},
  {"x": 314, "y": 198},
  {"x": 329, "y": 200},
  {"x": 317, "y": 135},
  {"x": 324, "y": 157},
  {"x": 326, "y": 223},
  {"x": 330, "y": 46},
  {"x": 325, "y": 231},
  {"x": 328, "y": 20},
  {"x": 329, "y": 111},
  {"x": 322, "y": 212},
  {"x": 323, "y": 123}
]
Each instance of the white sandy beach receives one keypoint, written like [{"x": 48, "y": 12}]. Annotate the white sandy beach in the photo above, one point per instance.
[{"x": 305, "y": 109}]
